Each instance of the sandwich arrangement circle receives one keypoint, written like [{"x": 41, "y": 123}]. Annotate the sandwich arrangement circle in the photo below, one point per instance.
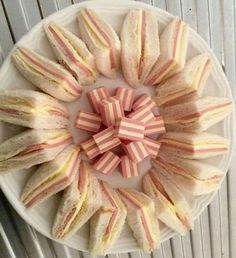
[{"x": 180, "y": 151}]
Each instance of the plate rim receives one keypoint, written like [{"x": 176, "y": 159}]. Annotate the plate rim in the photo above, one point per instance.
[{"x": 124, "y": 3}]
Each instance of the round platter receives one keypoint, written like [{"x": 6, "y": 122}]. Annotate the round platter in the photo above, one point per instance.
[{"x": 41, "y": 217}]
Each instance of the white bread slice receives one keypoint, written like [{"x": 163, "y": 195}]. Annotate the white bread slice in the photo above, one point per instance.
[
  {"x": 196, "y": 116},
  {"x": 51, "y": 177},
  {"x": 193, "y": 145},
  {"x": 194, "y": 177},
  {"x": 32, "y": 147},
  {"x": 141, "y": 218},
  {"x": 187, "y": 84},
  {"x": 79, "y": 202},
  {"x": 72, "y": 52},
  {"x": 47, "y": 75},
  {"x": 105, "y": 48},
  {"x": 171, "y": 206},
  {"x": 32, "y": 109},
  {"x": 173, "y": 49},
  {"x": 139, "y": 30},
  {"x": 112, "y": 211}
]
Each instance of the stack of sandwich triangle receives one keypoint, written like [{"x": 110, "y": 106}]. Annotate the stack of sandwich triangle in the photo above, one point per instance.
[{"x": 145, "y": 58}]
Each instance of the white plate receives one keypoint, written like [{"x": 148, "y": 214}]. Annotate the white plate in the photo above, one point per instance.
[{"x": 41, "y": 217}]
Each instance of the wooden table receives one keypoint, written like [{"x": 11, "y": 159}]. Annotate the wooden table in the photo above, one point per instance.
[{"x": 214, "y": 233}]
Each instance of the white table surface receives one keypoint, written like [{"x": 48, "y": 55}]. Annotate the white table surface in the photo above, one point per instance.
[{"x": 214, "y": 234}]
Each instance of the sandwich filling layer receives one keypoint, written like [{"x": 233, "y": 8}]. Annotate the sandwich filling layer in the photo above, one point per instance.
[
  {"x": 73, "y": 215},
  {"x": 69, "y": 50},
  {"x": 181, "y": 171},
  {"x": 99, "y": 35},
  {"x": 59, "y": 178},
  {"x": 197, "y": 147},
  {"x": 168, "y": 201},
  {"x": 143, "y": 216},
  {"x": 48, "y": 71}
]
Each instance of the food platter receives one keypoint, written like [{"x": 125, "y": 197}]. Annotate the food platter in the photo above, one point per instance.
[{"x": 41, "y": 217}]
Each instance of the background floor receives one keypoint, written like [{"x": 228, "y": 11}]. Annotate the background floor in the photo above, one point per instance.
[{"x": 214, "y": 233}]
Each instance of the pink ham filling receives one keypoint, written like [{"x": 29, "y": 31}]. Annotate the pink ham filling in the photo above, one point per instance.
[
  {"x": 68, "y": 53},
  {"x": 82, "y": 178},
  {"x": 159, "y": 186},
  {"x": 73, "y": 86},
  {"x": 115, "y": 214},
  {"x": 55, "y": 186},
  {"x": 11, "y": 111},
  {"x": 143, "y": 39},
  {"x": 17, "y": 112},
  {"x": 191, "y": 150},
  {"x": 106, "y": 38},
  {"x": 58, "y": 113},
  {"x": 60, "y": 230},
  {"x": 161, "y": 189},
  {"x": 194, "y": 90},
  {"x": 144, "y": 223},
  {"x": 198, "y": 114},
  {"x": 166, "y": 66},
  {"x": 175, "y": 169},
  {"x": 41, "y": 146}
]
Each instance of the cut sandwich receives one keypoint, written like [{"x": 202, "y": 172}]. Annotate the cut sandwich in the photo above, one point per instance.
[
  {"x": 32, "y": 147},
  {"x": 72, "y": 53},
  {"x": 51, "y": 177},
  {"x": 194, "y": 146},
  {"x": 107, "y": 223},
  {"x": 196, "y": 116},
  {"x": 32, "y": 109},
  {"x": 141, "y": 218},
  {"x": 171, "y": 207},
  {"x": 187, "y": 84},
  {"x": 47, "y": 75},
  {"x": 79, "y": 202},
  {"x": 101, "y": 40},
  {"x": 173, "y": 48},
  {"x": 139, "y": 30},
  {"x": 192, "y": 176}
]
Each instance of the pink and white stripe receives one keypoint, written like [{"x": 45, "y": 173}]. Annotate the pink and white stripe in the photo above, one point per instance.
[
  {"x": 95, "y": 96},
  {"x": 106, "y": 140},
  {"x": 155, "y": 126},
  {"x": 144, "y": 100},
  {"x": 129, "y": 129},
  {"x": 88, "y": 121},
  {"x": 126, "y": 97},
  {"x": 136, "y": 151},
  {"x": 142, "y": 114},
  {"x": 90, "y": 148},
  {"x": 111, "y": 110},
  {"x": 107, "y": 162},
  {"x": 152, "y": 146},
  {"x": 128, "y": 168}
]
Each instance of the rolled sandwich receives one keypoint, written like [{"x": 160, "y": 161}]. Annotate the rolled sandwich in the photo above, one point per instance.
[
  {"x": 196, "y": 116},
  {"x": 171, "y": 207},
  {"x": 107, "y": 223},
  {"x": 139, "y": 30},
  {"x": 141, "y": 218},
  {"x": 32, "y": 147},
  {"x": 72, "y": 53},
  {"x": 79, "y": 202},
  {"x": 101, "y": 40},
  {"x": 187, "y": 84},
  {"x": 51, "y": 177},
  {"x": 173, "y": 48},
  {"x": 192, "y": 176},
  {"x": 32, "y": 109},
  {"x": 45, "y": 74},
  {"x": 193, "y": 146}
]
